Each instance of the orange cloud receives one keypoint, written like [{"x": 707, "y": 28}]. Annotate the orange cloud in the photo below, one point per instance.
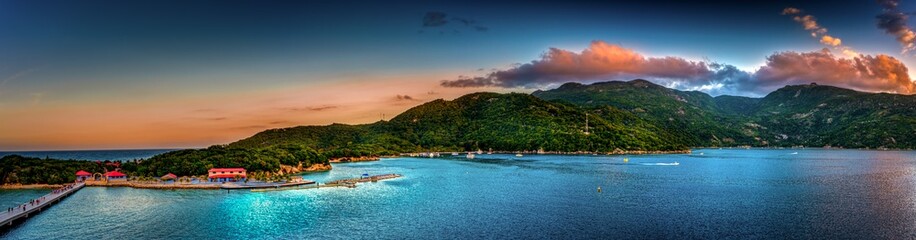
[
  {"x": 879, "y": 73},
  {"x": 602, "y": 61},
  {"x": 599, "y": 61},
  {"x": 810, "y": 23},
  {"x": 828, "y": 40}
]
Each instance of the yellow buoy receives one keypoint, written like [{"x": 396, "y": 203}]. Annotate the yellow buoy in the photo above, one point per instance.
[{"x": 626, "y": 160}]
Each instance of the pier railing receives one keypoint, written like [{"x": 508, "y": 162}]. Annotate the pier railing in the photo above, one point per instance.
[{"x": 23, "y": 211}]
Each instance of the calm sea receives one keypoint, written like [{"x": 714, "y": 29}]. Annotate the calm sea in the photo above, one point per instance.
[
  {"x": 719, "y": 194},
  {"x": 119, "y": 155}
]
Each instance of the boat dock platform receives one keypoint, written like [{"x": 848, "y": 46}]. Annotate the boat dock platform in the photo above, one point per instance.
[
  {"x": 7, "y": 218},
  {"x": 375, "y": 178},
  {"x": 349, "y": 183}
]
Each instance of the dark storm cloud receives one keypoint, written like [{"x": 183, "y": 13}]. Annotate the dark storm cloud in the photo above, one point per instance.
[
  {"x": 894, "y": 22},
  {"x": 602, "y": 61},
  {"x": 404, "y": 98},
  {"x": 312, "y": 108},
  {"x": 280, "y": 122},
  {"x": 435, "y": 19}
]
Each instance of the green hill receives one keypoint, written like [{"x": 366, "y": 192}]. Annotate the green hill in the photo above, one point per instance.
[
  {"x": 507, "y": 122},
  {"x": 800, "y": 115},
  {"x": 813, "y": 115},
  {"x": 686, "y": 118}
]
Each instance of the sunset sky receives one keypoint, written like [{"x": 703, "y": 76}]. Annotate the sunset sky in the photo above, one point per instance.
[{"x": 180, "y": 74}]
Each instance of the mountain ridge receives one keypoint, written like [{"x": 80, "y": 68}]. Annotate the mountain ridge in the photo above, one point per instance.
[{"x": 623, "y": 115}]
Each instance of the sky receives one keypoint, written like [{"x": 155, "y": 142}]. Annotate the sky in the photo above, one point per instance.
[{"x": 186, "y": 74}]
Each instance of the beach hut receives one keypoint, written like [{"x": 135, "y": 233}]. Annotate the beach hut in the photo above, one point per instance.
[
  {"x": 227, "y": 174},
  {"x": 115, "y": 176},
  {"x": 169, "y": 177},
  {"x": 81, "y": 176}
]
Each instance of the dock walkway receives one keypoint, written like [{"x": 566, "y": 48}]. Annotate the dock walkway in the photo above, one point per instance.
[
  {"x": 24, "y": 211},
  {"x": 234, "y": 186}
]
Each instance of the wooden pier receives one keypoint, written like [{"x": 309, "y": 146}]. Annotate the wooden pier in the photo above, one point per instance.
[
  {"x": 232, "y": 186},
  {"x": 22, "y": 212}
]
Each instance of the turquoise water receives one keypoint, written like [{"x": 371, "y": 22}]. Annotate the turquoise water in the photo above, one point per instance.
[
  {"x": 13, "y": 198},
  {"x": 719, "y": 194}
]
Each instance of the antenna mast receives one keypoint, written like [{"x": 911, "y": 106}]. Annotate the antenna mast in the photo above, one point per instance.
[{"x": 586, "y": 123}]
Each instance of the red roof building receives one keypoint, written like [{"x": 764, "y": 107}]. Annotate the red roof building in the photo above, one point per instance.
[
  {"x": 226, "y": 174},
  {"x": 115, "y": 176},
  {"x": 82, "y": 176},
  {"x": 169, "y": 176}
]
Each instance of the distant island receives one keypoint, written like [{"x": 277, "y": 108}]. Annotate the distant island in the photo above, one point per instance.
[{"x": 607, "y": 117}]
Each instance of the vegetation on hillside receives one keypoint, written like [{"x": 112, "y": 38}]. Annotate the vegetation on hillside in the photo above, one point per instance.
[
  {"x": 15, "y": 169},
  {"x": 506, "y": 122},
  {"x": 800, "y": 115}
]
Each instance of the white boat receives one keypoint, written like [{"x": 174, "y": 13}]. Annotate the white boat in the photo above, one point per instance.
[
  {"x": 470, "y": 156},
  {"x": 518, "y": 155},
  {"x": 479, "y": 151},
  {"x": 794, "y": 153},
  {"x": 454, "y": 154}
]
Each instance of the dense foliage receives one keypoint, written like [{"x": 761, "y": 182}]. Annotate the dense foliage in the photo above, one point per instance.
[
  {"x": 508, "y": 122},
  {"x": 191, "y": 162},
  {"x": 633, "y": 115},
  {"x": 15, "y": 169},
  {"x": 800, "y": 115},
  {"x": 197, "y": 161}
]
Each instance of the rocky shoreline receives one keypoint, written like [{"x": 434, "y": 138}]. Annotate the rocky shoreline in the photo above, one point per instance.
[
  {"x": 355, "y": 159},
  {"x": 151, "y": 185}
]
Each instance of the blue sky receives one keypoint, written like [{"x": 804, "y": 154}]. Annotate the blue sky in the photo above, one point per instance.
[{"x": 138, "y": 61}]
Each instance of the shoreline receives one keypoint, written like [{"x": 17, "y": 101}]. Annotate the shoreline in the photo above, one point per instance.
[
  {"x": 30, "y": 186},
  {"x": 617, "y": 152},
  {"x": 151, "y": 185}
]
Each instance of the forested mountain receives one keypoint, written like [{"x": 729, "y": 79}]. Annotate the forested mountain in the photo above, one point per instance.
[
  {"x": 508, "y": 122},
  {"x": 688, "y": 118},
  {"x": 631, "y": 115},
  {"x": 814, "y": 115},
  {"x": 799, "y": 115}
]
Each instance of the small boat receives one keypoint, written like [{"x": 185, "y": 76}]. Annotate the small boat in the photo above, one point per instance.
[
  {"x": 626, "y": 160},
  {"x": 479, "y": 151},
  {"x": 518, "y": 155},
  {"x": 454, "y": 154},
  {"x": 470, "y": 156}
]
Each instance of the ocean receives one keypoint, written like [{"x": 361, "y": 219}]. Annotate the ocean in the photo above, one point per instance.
[
  {"x": 710, "y": 194},
  {"x": 113, "y": 155}
]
